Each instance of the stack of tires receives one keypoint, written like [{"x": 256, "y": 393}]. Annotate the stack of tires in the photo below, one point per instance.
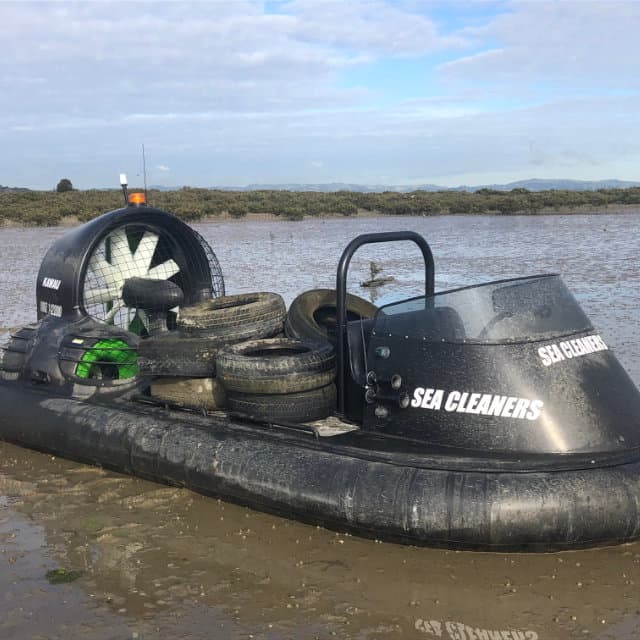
[
  {"x": 232, "y": 352},
  {"x": 279, "y": 379},
  {"x": 182, "y": 363}
]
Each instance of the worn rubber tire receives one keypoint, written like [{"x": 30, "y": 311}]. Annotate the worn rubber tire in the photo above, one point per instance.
[
  {"x": 312, "y": 315},
  {"x": 277, "y": 365},
  {"x": 196, "y": 393},
  {"x": 12, "y": 361},
  {"x": 178, "y": 355},
  {"x": 239, "y": 317},
  {"x": 305, "y": 406},
  {"x": 265, "y": 328},
  {"x": 13, "y": 354}
]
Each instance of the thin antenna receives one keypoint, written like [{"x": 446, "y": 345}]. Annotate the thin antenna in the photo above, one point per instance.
[{"x": 144, "y": 172}]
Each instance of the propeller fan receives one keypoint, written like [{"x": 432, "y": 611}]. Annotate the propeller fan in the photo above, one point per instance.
[
  {"x": 132, "y": 268},
  {"x": 130, "y": 255}
]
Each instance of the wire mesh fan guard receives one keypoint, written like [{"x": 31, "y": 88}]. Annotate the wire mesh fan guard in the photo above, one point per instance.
[{"x": 140, "y": 250}]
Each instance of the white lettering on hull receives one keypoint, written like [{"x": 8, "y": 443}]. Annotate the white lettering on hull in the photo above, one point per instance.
[
  {"x": 51, "y": 283},
  {"x": 569, "y": 349},
  {"x": 481, "y": 404}
]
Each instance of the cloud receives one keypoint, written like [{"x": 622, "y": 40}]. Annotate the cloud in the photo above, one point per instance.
[
  {"x": 163, "y": 168},
  {"x": 228, "y": 92},
  {"x": 562, "y": 43},
  {"x": 368, "y": 26},
  {"x": 100, "y": 57}
]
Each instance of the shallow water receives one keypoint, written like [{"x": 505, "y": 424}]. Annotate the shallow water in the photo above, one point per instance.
[{"x": 161, "y": 562}]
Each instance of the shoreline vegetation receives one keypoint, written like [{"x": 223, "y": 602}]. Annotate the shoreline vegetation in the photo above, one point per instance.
[{"x": 50, "y": 208}]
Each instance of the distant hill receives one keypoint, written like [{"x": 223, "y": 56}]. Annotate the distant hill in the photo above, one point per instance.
[
  {"x": 534, "y": 184},
  {"x": 338, "y": 186}
]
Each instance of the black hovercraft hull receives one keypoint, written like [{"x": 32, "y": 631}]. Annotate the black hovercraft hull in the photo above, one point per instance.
[{"x": 325, "y": 481}]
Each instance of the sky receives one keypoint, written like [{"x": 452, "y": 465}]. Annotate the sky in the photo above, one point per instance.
[{"x": 376, "y": 92}]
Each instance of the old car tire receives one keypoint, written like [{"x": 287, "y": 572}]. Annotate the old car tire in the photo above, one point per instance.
[
  {"x": 276, "y": 366},
  {"x": 179, "y": 355},
  {"x": 12, "y": 361},
  {"x": 13, "y": 354},
  {"x": 305, "y": 406},
  {"x": 196, "y": 393},
  {"x": 238, "y": 317},
  {"x": 312, "y": 314}
]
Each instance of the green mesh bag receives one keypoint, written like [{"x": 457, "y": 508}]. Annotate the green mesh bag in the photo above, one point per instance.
[{"x": 112, "y": 359}]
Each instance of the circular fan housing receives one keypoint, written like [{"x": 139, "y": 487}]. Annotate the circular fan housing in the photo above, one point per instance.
[{"x": 86, "y": 271}]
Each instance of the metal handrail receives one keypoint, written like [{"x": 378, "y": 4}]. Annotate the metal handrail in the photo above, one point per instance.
[{"x": 341, "y": 291}]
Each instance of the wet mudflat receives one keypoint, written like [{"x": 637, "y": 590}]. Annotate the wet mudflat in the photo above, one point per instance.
[{"x": 157, "y": 562}]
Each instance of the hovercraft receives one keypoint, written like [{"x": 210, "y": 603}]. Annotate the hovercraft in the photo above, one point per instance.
[{"x": 488, "y": 417}]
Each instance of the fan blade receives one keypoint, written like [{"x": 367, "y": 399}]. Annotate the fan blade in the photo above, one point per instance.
[
  {"x": 97, "y": 296},
  {"x": 144, "y": 252},
  {"x": 163, "y": 271},
  {"x": 112, "y": 314},
  {"x": 105, "y": 271},
  {"x": 120, "y": 256},
  {"x": 144, "y": 318}
]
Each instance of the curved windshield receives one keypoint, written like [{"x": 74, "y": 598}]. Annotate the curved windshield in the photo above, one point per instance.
[{"x": 519, "y": 310}]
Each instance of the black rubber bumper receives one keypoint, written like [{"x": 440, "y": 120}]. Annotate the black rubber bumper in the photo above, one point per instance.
[{"x": 536, "y": 511}]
